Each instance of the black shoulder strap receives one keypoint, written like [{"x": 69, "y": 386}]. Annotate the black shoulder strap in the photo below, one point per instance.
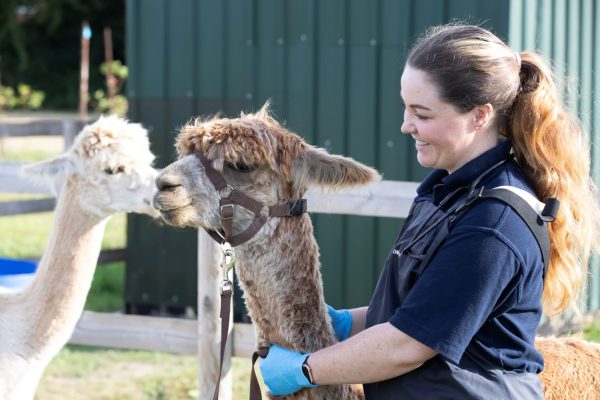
[{"x": 534, "y": 220}]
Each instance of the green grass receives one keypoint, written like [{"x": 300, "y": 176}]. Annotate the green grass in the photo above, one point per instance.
[
  {"x": 86, "y": 373},
  {"x": 592, "y": 332},
  {"x": 30, "y": 148},
  {"x": 26, "y": 235}
]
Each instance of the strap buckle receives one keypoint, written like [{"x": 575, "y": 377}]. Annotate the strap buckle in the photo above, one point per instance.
[
  {"x": 227, "y": 211},
  {"x": 298, "y": 208}
]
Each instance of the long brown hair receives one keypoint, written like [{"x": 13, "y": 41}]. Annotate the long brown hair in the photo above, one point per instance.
[{"x": 471, "y": 67}]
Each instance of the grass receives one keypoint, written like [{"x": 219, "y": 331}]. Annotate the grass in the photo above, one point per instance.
[
  {"x": 26, "y": 235},
  {"x": 592, "y": 332},
  {"x": 81, "y": 372},
  {"x": 30, "y": 148}
]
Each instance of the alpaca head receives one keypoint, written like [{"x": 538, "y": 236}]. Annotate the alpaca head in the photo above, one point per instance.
[
  {"x": 112, "y": 164},
  {"x": 257, "y": 156}
]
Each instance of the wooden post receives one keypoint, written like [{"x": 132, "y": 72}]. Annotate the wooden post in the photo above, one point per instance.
[
  {"x": 108, "y": 59},
  {"x": 70, "y": 131},
  {"x": 86, "y": 34},
  {"x": 209, "y": 322}
]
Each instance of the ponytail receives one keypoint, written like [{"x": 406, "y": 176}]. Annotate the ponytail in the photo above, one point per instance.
[{"x": 553, "y": 151}]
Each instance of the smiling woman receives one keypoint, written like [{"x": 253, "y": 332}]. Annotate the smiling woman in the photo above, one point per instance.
[{"x": 446, "y": 137}]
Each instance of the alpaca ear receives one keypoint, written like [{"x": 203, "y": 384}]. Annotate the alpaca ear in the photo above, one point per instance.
[
  {"x": 52, "y": 168},
  {"x": 317, "y": 167}
]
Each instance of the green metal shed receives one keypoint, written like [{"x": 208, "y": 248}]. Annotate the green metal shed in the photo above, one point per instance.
[{"x": 331, "y": 69}]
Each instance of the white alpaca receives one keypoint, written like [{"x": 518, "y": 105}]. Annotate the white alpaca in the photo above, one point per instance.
[{"x": 107, "y": 170}]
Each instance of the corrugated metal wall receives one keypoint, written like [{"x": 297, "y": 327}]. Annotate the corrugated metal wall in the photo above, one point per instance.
[
  {"x": 567, "y": 31},
  {"x": 331, "y": 69}
]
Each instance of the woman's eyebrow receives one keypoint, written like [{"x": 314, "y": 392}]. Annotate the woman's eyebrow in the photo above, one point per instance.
[{"x": 419, "y": 106}]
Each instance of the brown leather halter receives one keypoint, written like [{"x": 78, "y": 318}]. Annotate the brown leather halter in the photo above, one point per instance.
[{"x": 228, "y": 198}]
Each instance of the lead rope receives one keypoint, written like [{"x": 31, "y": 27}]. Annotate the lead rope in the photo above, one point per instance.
[
  {"x": 226, "y": 289},
  {"x": 255, "y": 393}
]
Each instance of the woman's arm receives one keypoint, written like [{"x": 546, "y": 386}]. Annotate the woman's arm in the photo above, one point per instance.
[{"x": 375, "y": 354}]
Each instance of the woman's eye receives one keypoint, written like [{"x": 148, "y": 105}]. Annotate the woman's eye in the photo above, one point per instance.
[
  {"x": 421, "y": 117},
  {"x": 239, "y": 167}
]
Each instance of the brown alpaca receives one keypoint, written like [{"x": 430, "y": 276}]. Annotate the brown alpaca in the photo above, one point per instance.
[
  {"x": 278, "y": 268},
  {"x": 572, "y": 368}
]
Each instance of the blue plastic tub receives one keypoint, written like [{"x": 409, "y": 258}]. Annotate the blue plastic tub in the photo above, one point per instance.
[{"x": 16, "y": 273}]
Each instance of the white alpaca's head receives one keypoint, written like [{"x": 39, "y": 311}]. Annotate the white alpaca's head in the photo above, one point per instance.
[{"x": 112, "y": 163}]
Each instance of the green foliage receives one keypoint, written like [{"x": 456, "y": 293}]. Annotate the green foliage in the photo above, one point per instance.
[
  {"x": 118, "y": 104},
  {"x": 40, "y": 44},
  {"x": 24, "y": 98},
  {"x": 108, "y": 288}
]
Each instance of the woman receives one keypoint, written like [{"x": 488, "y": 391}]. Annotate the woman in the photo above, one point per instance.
[{"x": 456, "y": 308}]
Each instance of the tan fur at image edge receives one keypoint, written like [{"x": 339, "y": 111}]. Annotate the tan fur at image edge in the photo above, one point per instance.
[{"x": 571, "y": 368}]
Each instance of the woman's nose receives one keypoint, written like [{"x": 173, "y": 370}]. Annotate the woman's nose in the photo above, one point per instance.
[{"x": 406, "y": 126}]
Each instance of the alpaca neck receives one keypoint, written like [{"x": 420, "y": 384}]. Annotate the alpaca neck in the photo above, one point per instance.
[
  {"x": 54, "y": 301},
  {"x": 282, "y": 285}
]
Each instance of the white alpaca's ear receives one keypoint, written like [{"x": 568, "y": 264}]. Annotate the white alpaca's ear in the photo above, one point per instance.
[
  {"x": 52, "y": 168},
  {"x": 317, "y": 167}
]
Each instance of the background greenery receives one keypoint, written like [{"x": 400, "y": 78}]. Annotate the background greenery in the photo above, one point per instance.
[{"x": 40, "y": 42}]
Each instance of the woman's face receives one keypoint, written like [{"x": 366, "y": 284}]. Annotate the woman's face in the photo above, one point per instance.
[{"x": 445, "y": 138}]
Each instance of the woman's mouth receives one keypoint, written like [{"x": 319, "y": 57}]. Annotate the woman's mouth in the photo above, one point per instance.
[{"x": 419, "y": 144}]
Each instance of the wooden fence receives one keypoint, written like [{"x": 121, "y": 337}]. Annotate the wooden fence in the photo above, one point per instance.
[{"x": 10, "y": 182}]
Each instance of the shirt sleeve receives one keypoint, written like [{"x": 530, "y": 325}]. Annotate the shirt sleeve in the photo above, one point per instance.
[{"x": 457, "y": 291}]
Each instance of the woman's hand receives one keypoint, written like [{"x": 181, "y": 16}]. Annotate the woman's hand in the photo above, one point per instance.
[
  {"x": 282, "y": 371},
  {"x": 341, "y": 321}
]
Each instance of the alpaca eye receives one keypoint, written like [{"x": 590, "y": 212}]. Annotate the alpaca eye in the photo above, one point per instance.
[
  {"x": 239, "y": 167},
  {"x": 118, "y": 170}
]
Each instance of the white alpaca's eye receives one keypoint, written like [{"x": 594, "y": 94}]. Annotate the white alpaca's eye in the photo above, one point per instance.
[
  {"x": 112, "y": 171},
  {"x": 239, "y": 167}
]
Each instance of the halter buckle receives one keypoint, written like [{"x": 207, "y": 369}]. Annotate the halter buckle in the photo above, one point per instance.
[{"x": 227, "y": 211}]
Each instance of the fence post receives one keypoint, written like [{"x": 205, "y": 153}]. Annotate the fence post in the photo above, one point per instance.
[
  {"x": 209, "y": 323},
  {"x": 70, "y": 130}
]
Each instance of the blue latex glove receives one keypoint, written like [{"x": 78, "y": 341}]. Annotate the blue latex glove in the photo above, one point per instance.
[
  {"x": 341, "y": 321},
  {"x": 282, "y": 370}
]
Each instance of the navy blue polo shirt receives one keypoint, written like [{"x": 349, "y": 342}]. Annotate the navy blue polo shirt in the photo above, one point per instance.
[{"x": 480, "y": 296}]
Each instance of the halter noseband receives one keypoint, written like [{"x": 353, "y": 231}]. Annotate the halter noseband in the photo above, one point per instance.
[{"x": 230, "y": 196}]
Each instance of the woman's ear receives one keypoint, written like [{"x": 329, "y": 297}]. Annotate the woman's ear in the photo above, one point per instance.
[{"x": 482, "y": 115}]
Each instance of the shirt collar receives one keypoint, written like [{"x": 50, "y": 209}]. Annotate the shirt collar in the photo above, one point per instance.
[{"x": 440, "y": 183}]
